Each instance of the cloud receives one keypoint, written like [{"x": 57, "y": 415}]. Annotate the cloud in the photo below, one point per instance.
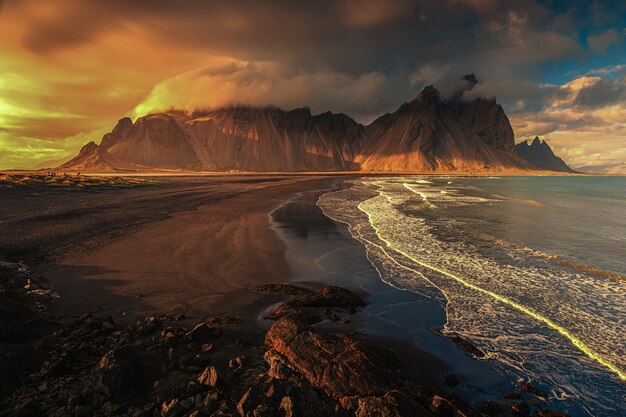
[
  {"x": 600, "y": 42},
  {"x": 91, "y": 62},
  {"x": 228, "y": 82},
  {"x": 584, "y": 119}
]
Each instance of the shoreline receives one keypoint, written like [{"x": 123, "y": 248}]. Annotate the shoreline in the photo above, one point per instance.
[
  {"x": 392, "y": 317},
  {"x": 129, "y": 278}
]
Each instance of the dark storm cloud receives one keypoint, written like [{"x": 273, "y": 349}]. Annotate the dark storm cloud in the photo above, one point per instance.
[
  {"x": 605, "y": 92},
  {"x": 344, "y": 35},
  {"x": 361, "y": 57}
]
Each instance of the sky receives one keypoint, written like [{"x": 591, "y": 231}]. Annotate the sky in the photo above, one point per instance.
[{"x": 69, "y": 69}]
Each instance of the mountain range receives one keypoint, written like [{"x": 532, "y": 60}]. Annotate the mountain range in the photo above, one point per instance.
[
  {"x": 538, "y": 153},
  {"x": 428, "y": 134}
]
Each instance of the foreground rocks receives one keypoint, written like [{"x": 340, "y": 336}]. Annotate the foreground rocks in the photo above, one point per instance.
[{"x": 166, "y": 366}]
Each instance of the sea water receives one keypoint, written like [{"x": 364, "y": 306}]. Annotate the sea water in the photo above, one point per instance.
[{"x": 531, "y": 270}]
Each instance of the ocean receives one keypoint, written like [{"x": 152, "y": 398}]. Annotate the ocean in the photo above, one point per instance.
[{"x": 531, "y": 270}]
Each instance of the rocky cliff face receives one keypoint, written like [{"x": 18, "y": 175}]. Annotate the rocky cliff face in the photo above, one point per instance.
[
  {"x": 540, "y": 155},
  {"x": 428, "y": 134},
  {"x": 434, "y": 134}
]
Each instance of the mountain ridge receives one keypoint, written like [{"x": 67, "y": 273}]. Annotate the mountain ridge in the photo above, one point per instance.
[
  {"x": 538, "y": 153},
  {"x": 427, "y": 134}
]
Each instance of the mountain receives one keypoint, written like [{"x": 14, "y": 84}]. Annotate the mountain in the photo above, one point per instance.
[
  {"x": 610, "y": 169},
  {"x": 92, "y": 158},
  {"x": 430, "y": 134},
  {"x": 540, "y": 155}
]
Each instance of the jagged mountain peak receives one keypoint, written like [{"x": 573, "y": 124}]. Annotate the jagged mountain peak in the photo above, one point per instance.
[
  {"x": 429, "y": 133},
  {"x": 539, "y": 154}
]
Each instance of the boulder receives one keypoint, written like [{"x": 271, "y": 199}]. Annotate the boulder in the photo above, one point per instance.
[
  {"x": 281, "y": 288},
  {"x": 208, "y": 377},
  {"x": 330, "y": 296},
  {"x": 334, "y": 363},
  {"x": 392, "y": 404},
  {"x": 125, "y": 373},
  {"x": 202, "y": 333},
  {"x": 296, "y": 314}
]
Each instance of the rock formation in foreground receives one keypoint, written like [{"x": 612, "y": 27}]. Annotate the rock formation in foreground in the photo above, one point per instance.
[
  {"x": 428, "y": 134},
  {"x": 170, "y": 366},
  {"x": 539, "y": 154}
]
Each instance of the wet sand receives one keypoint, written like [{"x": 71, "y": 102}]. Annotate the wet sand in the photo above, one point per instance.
[
  {"x": 195, "y": 245},
  {"x": 195, "y": 262}
]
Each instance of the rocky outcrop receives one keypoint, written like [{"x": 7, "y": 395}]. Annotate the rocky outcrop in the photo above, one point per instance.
[
  {"x": 335, "y": 363},
  {"x": 92, "y": 158},
  {"x": 539, "y": 154},
  {"x": 430, "y": 133},
  {"x": 95, "y": 367}
]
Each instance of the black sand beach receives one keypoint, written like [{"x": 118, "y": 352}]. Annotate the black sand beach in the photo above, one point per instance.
[{"x": 193, "y": 247}]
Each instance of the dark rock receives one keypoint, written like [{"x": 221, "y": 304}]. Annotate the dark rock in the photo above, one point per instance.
[
  {"x": 202, "y": 333},
  {"x": 247, "y": 403},
  {"x": 236, "y": 363},
  {"x": 550, "y": 413},
  {"x": 172, "y": 408},
  {"x": 287, "y": 407},
  {"x": 528, "y": 387},
  {"x": 125, "y": 373},
  {"x": 329, "y": 297},
  {"x": 29, "y": 408},
  {"x": 277, "y": 367},
  {"x": 520, "y": 409},
  {"x": 295, "y": 314},
  {"x": 441, "y": 407},
  {"x": 490, "y": 408},
  {"x": 208, "y": 377},
  {"x": 83, "y": 411},
  {"x": 392, "y": 404},
  {"x": 335, "y": 363},
  {"x": 281, "y": 289},
  {"x": 330, "y": 315},
  {"x": 467, "y": 345}
]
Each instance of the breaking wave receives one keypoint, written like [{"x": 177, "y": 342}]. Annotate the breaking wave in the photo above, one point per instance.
[{"x": 540, "y": 316}]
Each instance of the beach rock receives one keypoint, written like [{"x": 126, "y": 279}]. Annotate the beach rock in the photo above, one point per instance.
[
  {"x": 520, "y": 409},
  {"x": 236, "y": 363},
  {"x": 467, "y": 345},
  {"x": 125, "y": 373},
  {"x": 550, "y": 413},
  {"x": 490, "y": 408},
  {"x": 28, "y": 408},
  {"x": 335, "y": 363},
  {"x": 202, "y": 333},
  {"x": 293, "y": 313},
  {"x": 330, "y": 296},
  {"x": 277, "y": 367},
  {"x": 172, "y": 408},
  {"x": 441, "y": 407},
  {"x": 247, "y": 403},
  {"x": 392, "y": 404},
  {"x": 530, "y": 388},
  {"x": 208, "y": 377},
  {"x": 287, "y": 406},
  {"x": 83, "y": 411},
  {"x": 281, "y": 288}
]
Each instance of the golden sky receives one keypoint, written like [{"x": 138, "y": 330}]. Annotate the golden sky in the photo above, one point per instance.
[{"x": 69, "y": 69}]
